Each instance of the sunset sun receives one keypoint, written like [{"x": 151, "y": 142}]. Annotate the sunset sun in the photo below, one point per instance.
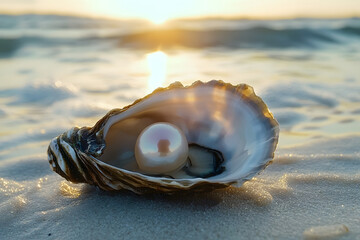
[{"x": 156, "y": 17}]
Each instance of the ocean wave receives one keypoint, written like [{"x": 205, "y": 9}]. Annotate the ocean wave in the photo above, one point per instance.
[
  {"x": 47, "y": 21},
  {"x": 50, "y": 31},
  {"x": 8, "y": 47},
  {"x": 38, "y": 135},
  {"x": 350, "y": 30},
  {"x": 294, "y": 95},
  {"x": 287, "y": 118},
  {"x": 258, "y": 37},
  {"x": 80, "y": 108},
  {"x": 43, "y": 94},
  {"x": 2, "y": 113}
]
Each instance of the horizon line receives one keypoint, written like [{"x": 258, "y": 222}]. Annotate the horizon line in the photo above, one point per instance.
[{"x": 209, "y": 17}]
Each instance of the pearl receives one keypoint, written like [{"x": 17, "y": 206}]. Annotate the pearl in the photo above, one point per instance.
[{"x": 161, "y": 148}]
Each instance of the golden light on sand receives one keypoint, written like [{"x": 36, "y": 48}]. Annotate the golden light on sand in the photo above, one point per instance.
[
  {"x": 69, "y": 190},
  {"x": 157, "y": 67}
]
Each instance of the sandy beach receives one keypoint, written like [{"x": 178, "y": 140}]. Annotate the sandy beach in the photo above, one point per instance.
[{"x": 55, "y": 76}]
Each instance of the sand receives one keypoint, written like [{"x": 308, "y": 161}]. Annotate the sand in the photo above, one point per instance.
[{"x": 289, "y": 200}]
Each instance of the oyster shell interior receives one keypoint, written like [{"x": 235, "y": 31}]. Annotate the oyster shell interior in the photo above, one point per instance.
[{"x": 231, "y": 133}]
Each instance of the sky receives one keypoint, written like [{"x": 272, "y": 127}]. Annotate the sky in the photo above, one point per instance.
[{"x": 161, "y": 10}]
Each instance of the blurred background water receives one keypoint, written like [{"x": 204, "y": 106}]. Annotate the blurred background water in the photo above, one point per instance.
[{"x": 61, "y": 71}]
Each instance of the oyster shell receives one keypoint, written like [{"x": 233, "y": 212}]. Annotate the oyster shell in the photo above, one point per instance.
[{"x": 231, "y": 133}]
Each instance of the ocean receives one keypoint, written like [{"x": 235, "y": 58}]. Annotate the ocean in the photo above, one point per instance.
[{"x": 63, "y": 71}]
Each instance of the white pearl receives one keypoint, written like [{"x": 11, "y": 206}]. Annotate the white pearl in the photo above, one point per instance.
[{"x": 161, "y": 148}]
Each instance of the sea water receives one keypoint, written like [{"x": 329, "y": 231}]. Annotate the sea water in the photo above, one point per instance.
[{"x": 61, "y": 71}]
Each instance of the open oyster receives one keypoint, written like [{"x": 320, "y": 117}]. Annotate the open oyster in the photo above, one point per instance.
[{"x": 230, "y": 131}]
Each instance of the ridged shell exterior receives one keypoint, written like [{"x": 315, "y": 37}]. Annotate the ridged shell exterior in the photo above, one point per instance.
[{"x": 74, "y": 154}]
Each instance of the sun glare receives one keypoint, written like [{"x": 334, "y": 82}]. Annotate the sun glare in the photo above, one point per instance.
[
  {"x": 157, "y": 67},
  {"x": 157, "y": 19}
]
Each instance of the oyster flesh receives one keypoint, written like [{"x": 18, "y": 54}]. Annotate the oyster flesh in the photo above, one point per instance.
[{"x": 230, "y": 131}]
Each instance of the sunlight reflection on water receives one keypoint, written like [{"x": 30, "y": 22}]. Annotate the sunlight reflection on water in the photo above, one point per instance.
[{"x": 157, "y": 67}]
